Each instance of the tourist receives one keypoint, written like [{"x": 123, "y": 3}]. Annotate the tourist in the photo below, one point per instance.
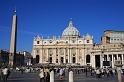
[
  {"x": 57, "y": 71},
  {"x": 98, "y": 72},
  {"x": 114, "y": 72},
  {"x": 5, "y": 73},
  {"x": 41, "y": 74},
  {"x": 61, "y": 74},
  {"x": 22, "y": 70},
  {"x": 86, "y": 70},
  {"x": 108, "y": 72},
  {"x": 1, "y": 74},
  {"x": 92, "y": 72},
  {"x": 47, "y": 74},
  {"x": 123, "y": 69}
]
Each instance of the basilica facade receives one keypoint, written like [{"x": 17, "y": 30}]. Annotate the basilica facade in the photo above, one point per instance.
[
  {"x": 69, "y": 48},
  {"x": 73, "y": 48}
]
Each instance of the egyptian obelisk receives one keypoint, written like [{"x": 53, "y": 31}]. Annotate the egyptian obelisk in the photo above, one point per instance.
[{"x": 13, "y": 40}]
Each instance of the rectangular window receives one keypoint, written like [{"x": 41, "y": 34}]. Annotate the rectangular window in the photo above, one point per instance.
[
  {"x": 56, "y": 60},
  {"x": 88, "y": 41},
  {"x": 38, "y": 42}
]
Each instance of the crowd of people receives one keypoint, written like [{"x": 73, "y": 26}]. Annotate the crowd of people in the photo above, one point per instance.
[
  {"x": 44, "y": 74},
  {"x": 98, "y": 72},
  {"x": 60, "y": 72}
]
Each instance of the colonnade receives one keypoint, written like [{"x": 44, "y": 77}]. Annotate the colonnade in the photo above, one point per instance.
[
  {"x": 68, "y": 55},
  {"x": 112, "y": 57}
]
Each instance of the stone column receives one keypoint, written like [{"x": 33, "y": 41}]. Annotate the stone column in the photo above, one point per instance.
[
  {"x": 122, "y": 58},
  {"x": 64, "y": 56},
  {"x": 117, "y": 56},
  {"x": 33, "y": 55},
  {"x": 53, "y": 55},
  {"x": 101, "y": 59},
  {"x": 59, "y": 55},
  {"x": 112, "y": 61},
  {"x": 41, "y": 56},
  {"x": 70, "y": 55},
  {"x": 71, "y": 78},
  {"x": 84, "y": 57},
  {"x": 77, "y": 55},
  {"x": 52, "y": 76},
  {"x": 81, "y": 51},
  {"x": 92, "y": 60},
  {"x": 47, "y": 53}
]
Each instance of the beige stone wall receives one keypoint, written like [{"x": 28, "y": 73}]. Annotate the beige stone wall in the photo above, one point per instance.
[{"x": 64, "y": 50}]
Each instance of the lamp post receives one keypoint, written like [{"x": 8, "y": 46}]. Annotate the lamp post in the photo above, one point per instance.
[{"x": 118, "y": 64}]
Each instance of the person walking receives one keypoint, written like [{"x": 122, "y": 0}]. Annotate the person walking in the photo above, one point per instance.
[
  {"x": 41, "y": 74},
  {"x": 98, "y": 73},
  {"x": 47, "y": 74},
  {"x": 5, "y": 73},
  {"x": 61, "y": 74},
  {"x": 1, "y": 74}
]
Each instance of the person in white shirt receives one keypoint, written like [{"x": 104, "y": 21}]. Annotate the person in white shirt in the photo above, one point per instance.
[
  {"x": 61, "y": 73},
  {"x": 5, "y": 73},
  {"x": 98, "y": 72},
  {"x": 47, "y": 74},
  {"x": 41, "y": 74}
]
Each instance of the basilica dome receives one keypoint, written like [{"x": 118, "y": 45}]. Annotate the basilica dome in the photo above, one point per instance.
[{"x": 70, "y": 31}]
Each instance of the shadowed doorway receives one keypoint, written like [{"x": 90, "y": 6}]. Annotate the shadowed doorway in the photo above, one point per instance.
[
  {"x": 97, "y": 60},
  {"x": 37, "y": 58}
]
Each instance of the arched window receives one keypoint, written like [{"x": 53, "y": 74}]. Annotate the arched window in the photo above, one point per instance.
[
  {"x": 88, "y": 59},
  {"x": 37, "y": 58}
]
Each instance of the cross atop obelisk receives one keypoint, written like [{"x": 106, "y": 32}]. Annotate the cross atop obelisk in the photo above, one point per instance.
[{"x": 13, "y": 39}]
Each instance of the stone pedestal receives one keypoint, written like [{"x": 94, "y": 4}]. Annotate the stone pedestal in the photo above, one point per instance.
[
  {"x": 118, "y": 64},
  {"x": 52, "y": 76},
  {"x": 119, "y": 74},
  {"x": 71, "y": 78}
]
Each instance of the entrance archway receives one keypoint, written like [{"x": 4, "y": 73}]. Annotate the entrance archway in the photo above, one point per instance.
[{"x": 37, "y": 58}]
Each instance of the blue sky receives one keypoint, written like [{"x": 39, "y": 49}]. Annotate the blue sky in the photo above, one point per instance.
[{"x": 51, "y": 17}]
